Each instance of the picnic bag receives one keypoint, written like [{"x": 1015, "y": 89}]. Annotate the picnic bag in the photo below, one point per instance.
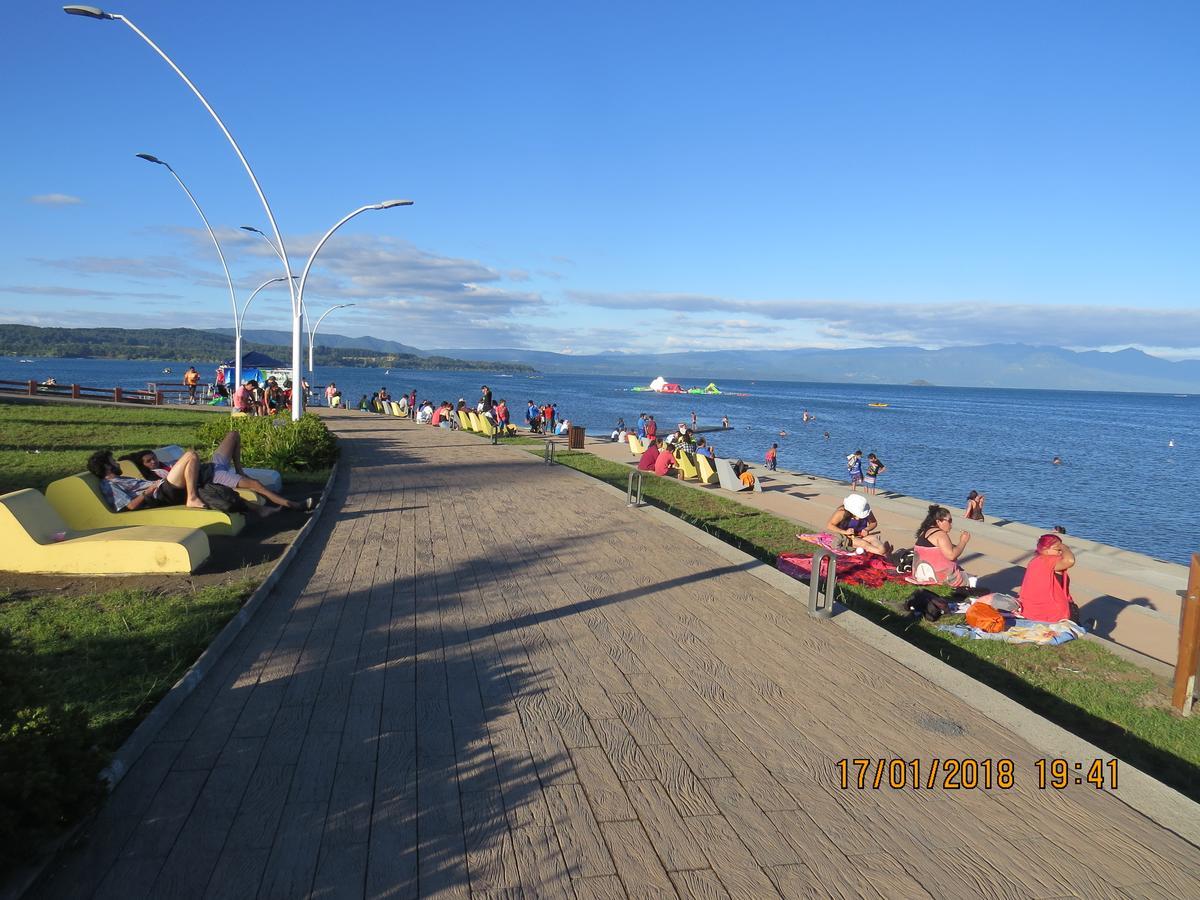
[{"x": 985, "y": 617}]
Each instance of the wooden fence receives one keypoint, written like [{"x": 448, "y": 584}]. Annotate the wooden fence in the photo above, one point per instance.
[
  {"x": 1188, "y": 661},
  {"x": 82, "y": 392}
]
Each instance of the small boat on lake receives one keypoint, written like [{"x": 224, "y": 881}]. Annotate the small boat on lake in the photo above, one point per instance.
[{"x": 877, "y": 405}]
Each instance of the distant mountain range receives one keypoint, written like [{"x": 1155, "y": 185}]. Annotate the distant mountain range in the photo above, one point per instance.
[{"x": 988, "y": 365}]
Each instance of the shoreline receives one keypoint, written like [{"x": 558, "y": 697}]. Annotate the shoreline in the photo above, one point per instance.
[{"x": 1134, "y": 598}]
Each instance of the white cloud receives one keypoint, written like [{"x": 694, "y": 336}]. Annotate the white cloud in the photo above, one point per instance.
[
  {"x": 935, "y": 324},
  {"x": 55, "y": 200}
]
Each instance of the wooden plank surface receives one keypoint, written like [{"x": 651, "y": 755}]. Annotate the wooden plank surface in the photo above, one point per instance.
[{"x": 452, "y": 694}]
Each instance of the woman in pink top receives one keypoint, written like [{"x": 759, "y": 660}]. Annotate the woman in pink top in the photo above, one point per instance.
[{"x": 1046, "y": 587}]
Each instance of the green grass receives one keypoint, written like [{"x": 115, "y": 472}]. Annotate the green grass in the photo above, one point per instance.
[
  {"x": 1080, "y": 685},
  {"x": 116, "y": 653},
  {"x": 40, "y": 443}
]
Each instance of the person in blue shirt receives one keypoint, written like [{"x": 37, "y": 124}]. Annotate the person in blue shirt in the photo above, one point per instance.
[{"x": 641, "y": 426}]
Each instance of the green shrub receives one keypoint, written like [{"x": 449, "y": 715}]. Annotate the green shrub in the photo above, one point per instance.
[
  {"x": 48, "y": 762},
  {"x": 275, "y": 442}
]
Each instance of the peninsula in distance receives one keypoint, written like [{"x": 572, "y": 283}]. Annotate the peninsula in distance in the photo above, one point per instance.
[{"x": 982, "y": 366}]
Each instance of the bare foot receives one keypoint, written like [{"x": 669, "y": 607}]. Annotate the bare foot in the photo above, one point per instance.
[{"x": 196, "y": 504}]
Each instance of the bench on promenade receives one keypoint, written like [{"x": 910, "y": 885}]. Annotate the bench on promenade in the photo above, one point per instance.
[{"x": 37, "y": 540}]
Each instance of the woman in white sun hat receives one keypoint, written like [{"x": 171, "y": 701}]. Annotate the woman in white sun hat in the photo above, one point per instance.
[{"x": 854, "y": 528}]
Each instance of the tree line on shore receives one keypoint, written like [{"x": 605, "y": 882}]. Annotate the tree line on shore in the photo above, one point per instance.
[{"x": 195, "y": 345}]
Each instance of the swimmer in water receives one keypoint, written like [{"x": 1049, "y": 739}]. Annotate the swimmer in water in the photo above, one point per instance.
[{"x": 1057, "y": 461}]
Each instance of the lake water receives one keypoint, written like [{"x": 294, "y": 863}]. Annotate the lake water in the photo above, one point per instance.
[{"x": 1120, "y": 482}]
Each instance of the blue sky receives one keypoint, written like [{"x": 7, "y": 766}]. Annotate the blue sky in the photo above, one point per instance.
[{"x": 618, "y": 176}]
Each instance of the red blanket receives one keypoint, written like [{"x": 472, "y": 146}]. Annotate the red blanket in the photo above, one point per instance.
[{"x": 868, "y": 569}]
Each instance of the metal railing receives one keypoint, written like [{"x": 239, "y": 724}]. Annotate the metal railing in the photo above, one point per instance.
[
  {"x": 818, "y": 583},
  {"x": 633, "y": 496}
]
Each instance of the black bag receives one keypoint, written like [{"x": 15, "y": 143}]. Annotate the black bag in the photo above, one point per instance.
[
  {"x": 221, "y": 498},
  {"x": 928, "y": 605},
  {"x": 904, "y": 560}
]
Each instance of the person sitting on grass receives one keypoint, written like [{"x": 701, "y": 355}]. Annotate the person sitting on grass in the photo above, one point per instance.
[
  {"x": 1046, "y": 587},
  {"x": 855, "y": 528},
  {"x": 121, "y": 492},
  {"x": 935, "y": 549},
  {"x": 664, "y": 463},
  {"x": 650, "y": 456}
]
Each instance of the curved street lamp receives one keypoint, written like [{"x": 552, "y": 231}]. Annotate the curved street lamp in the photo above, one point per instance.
[
  {"x": 237, "y": 325},
  {"x": 312, "y": 332},
  {"x": 238, "y": 334},
  {"x": 386, "y": 204},
  {"x": 93, "y": 12},
  {"x": 306, "y": 321}
]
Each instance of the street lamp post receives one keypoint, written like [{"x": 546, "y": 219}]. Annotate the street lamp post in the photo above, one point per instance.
[
  {"x": 386, "y": 204},
  {"x": 93, "y": 12},
  {"x": 312, "y": 332},
  {"x": 237, "y": 363},
  {"x": 237, "y": 327},
  {"x": 307, "y": 322}
]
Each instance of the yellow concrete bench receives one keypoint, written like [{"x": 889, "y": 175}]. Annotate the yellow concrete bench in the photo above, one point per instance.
[
  {"x": 36, "y": 539},
  {"x": 636, "y": 447},
  {"x": 78, "y": 500}
]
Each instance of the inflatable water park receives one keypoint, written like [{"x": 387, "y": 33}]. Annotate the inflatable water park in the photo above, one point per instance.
[{"x": 660, "y": 385}]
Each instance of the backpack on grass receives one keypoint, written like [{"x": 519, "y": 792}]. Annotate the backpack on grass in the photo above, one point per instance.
[{"x": 221, "y": 498}]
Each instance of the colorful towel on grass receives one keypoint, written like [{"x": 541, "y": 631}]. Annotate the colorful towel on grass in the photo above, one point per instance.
[
  {"x": 1022, "y": 631},
  {"x": 868, "y": 569}
]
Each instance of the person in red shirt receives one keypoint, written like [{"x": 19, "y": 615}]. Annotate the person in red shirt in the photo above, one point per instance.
[
  {"x": 649, "y": 457},
  {"x": 665, "y": 461},
  {"x": 1046, "y": 587},
  {"x": 651, "y": 428}
]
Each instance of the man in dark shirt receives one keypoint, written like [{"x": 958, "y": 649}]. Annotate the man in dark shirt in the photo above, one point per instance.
[{"x": 122, "y": 492}]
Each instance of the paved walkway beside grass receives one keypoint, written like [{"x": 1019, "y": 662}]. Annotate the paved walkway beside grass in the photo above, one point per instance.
[{"x": 485, "y": 676}]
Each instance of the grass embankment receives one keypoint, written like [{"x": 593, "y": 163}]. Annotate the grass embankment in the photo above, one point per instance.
[
  {"x": 115, "y": 654},
  {"x": 110, "y": 652},
  {"x": 1080, "y": 685}
]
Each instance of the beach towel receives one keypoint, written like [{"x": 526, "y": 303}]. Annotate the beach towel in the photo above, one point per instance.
[
  {"x": 1023, "y": 631},
  {"x": 868, "y": 570}
]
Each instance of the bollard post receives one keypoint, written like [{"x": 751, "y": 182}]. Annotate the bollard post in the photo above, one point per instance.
[
  {"x": 32, "y": 387},
  {"x": 632, "y": 497},
  {"x": 549, "y": 457},
  {"x": 74, "y": 392},
  {"x": 158, "y": 398},
  {"x": 817, "y": 583},
  {"x": 118, "y": 395},
  {"x": 1188, "y": 661}
]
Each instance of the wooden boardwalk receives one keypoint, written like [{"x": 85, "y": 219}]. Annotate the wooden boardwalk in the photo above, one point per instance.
[{"x": 485, "y": 676}]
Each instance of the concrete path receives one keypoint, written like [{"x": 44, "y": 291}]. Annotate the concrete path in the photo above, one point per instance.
[
  {"x": 486, "y": 676},
  {"x": 1134, "y": 599}
]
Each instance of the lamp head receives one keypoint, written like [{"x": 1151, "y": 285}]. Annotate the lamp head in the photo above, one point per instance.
[
  {"x": 148, "y": 158},
  {"x": 90, "y": 12},
  {"x": 388, "y": 204},
  {"x": 251, "y": 228}
]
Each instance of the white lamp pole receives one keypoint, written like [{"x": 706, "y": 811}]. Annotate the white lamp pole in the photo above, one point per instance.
[
  {"x": 237, "y": 363},
  {"x": 93, "y": 12},
  {"x": 386, "y": 204},
  {"x": 237, "y": 325},
  {"x": 312, "y": 332},
  {"x": 266, "y": 237}
]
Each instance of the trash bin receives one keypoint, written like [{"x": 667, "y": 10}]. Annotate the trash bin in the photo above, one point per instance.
[{"x": 575, "y": 437}]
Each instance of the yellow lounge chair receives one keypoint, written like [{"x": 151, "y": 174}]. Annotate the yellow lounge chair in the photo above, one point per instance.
[
  {"x": 395, "y": 408},
  {"x": 78, "y": 500},
  {"x": 687, "y": 467},
  {"x": 636, "y": 447},
  {"x": 476, "y": 421},
  {"x": 36, "y": 539},
  {"x": 486, "y": 428},
  {"x": 708, "y": 475}
]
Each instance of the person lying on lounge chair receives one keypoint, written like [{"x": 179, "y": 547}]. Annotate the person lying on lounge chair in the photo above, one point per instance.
[{"x": 121, "y": 492}]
